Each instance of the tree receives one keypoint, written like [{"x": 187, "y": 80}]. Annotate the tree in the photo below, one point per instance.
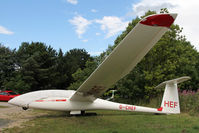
[
  {"x": 75, "y": 59},
  {"x": 61, "y": 80},
  {"x": 7, "y": 65},
  {"x": 37, "y": 65},
  {"x": 82, "y": 74}
]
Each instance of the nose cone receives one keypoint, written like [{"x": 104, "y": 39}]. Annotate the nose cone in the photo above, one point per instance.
[
  {"x": 18, "y": 101},
  {"x": 14, "y": 102}
]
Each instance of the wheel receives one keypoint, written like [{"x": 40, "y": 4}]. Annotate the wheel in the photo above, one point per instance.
[
  {"x": 82, "y": 112},
  {"x": 24, "y": 108}
]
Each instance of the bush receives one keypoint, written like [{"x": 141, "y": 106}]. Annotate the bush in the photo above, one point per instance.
[{"x": 189, "y": 101}]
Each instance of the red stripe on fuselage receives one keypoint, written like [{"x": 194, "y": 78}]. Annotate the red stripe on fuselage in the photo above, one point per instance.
[
  {"x": 60, "y": 100},
  {"x": 39, "y": 100},
  {"x": 54, "y": 100}
]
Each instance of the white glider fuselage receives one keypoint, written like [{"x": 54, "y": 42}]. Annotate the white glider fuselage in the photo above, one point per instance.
[{"x": 60, "y": 100}]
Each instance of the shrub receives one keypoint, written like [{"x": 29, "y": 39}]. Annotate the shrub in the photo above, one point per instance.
[{"x": 189, "y": 101}]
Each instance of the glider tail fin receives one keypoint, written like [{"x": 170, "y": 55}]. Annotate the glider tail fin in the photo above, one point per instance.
[{"x": 170, "y": 102}]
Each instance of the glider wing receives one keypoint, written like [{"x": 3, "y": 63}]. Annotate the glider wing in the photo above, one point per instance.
[{"x": 125, "y": 56}]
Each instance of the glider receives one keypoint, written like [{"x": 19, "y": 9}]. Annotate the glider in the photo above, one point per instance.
[{"x": 119, "y": 63}]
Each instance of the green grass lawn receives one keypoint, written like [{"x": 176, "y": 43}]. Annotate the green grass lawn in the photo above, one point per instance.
[
  {"x": 3, "y": 106},
  {"x": 110, "y": 122}
]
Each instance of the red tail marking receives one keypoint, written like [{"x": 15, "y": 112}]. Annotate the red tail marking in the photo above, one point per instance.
[{"x": 160, "y": 109}]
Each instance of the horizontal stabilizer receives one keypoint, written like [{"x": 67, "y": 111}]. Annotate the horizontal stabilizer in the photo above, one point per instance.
[{"x": 177, "y": 81}]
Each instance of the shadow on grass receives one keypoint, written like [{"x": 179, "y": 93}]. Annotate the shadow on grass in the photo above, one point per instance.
[
  {"x": 57, "y": 114},
  {"x": 4, "y": 122}
]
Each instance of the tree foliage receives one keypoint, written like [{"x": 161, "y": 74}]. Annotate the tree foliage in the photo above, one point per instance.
[
  {"x": 76, "y": 59},
  {"x": 7, "y": 64},
  {"x": 82, "y": 74},
  {"x": 35, "y": 66}
]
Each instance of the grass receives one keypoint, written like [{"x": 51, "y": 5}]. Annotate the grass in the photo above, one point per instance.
[
  {"x": 3, "y": 106},
  {"x": 110, "y": 122}
]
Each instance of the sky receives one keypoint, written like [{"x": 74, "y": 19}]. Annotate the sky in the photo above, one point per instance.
[{"x": 88, "y": 24}]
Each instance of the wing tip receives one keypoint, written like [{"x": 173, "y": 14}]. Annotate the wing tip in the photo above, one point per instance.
[
  {"x": 174, "y": 15},
  {"x": 163, "y": 20}
]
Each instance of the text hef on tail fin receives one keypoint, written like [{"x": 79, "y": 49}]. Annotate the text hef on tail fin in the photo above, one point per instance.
[{"x": 170, "y": 102}]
